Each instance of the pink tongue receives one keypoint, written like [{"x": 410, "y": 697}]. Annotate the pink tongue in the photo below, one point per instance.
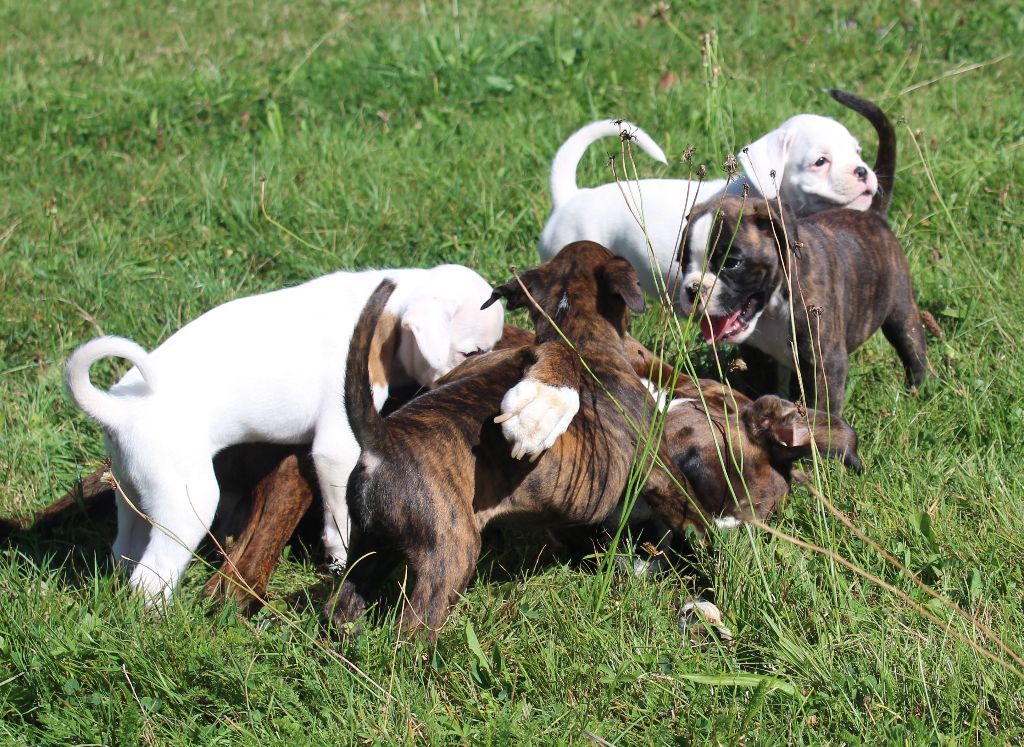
[{"x": 716, "y": 327}]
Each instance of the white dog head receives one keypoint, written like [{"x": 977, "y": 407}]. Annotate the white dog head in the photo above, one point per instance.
[
  {"x": 817, "y": 166},
  {"x": 442, "y": 323}
]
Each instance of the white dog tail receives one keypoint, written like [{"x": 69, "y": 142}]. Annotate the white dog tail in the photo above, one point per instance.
[
  {"x": 563, "y": 168},
  {"x": 103, "y": 407}
]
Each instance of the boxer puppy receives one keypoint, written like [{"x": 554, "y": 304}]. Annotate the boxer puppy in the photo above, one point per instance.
[
  {"x": 747, "y": 261},
  {"x": 433, "y": 474},
  {"x": 813, "y": 163}
]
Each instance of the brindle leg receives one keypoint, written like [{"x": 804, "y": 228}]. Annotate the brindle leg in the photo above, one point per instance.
[
  {"x": 280, "y": 501},
  {"x": 442, "y": 573},
  {"x": 904, "y": 331}
]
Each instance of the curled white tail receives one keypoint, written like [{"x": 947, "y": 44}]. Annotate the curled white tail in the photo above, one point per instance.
[
  {"x": 103, "y": 407},
  {"x": 563, "y": 168}
]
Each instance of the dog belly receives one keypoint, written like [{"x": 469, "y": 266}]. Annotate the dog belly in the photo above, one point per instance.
[{"x": 609, "y": 215}]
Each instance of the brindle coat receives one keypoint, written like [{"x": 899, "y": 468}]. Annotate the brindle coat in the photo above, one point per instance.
[
  {"x": 848, "y": 274},
  {"x": 738, "y": 453},
  {"x": 433, "y": 474}
]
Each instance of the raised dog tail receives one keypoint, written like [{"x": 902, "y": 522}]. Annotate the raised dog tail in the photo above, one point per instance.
[
  {"x": 885, "y": 161},
  {"x": 563, "y": 168},
  {"x": 105, "y": 408},
  {"x": 366, "y": 423}
]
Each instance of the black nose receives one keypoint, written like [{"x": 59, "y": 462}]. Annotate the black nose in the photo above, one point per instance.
[
  {"x": 861, "y": 172},
  {"x": 691, "y": 292}
]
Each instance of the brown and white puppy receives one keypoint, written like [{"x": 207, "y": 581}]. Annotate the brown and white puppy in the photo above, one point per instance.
[
  {"x": 738, "y": 453},
  {"x": 433, "y": 474},
  {"x": 748, "y": 261}
]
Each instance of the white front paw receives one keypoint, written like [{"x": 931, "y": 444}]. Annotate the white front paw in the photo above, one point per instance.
[{"x": 534, "y": 415}]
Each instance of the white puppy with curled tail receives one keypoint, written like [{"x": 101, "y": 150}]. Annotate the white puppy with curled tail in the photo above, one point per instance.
[{"x": 267, "y": 368}]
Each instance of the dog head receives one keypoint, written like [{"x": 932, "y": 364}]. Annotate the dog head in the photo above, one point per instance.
[
  {"x": 817, "y": 166},
  {"x": 442, "y": 323},
  {"x": 584, "y": 277},
  {"x": 738, "y": 454},
  {"x": 732, "y": 266}
]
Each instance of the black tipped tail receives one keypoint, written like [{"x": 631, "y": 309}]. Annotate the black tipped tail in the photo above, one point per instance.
[
  {"x": 363, "y": 418},
  {"x": 885, "y": 161}
]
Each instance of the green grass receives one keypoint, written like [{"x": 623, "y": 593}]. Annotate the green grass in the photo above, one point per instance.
[{"x": 134, "y": 139}]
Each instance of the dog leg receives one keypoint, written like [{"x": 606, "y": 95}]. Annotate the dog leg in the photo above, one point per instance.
[
  {"x": 181, "y": 506},
  {"x": 335, "y": 453},
  {"x": 370, "y": 566},
  {"x": 537, "y": 410},
  {"x": 905, "y": 332},
  {"x": 132, "y": 529},
  {"x": 442, "y": 574}
]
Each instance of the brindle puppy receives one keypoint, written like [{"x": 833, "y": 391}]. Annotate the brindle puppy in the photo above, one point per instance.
[
  {"x": 744, "y": 258},
  {"x": 738, "y": 453},
  {"x": 433, "y": 474}
]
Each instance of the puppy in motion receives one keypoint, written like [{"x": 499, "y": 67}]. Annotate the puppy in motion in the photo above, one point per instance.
[
  {"x": 747, "y": 260},
  {"x": 433, "y": 474},
  {"x": 812, "y": 162},
  {"x": 266, "y": 368}
]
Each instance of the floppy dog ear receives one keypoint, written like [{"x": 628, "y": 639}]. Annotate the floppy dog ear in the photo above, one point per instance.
[
  {"x": 764, "y": 156},
  {"x": 788, "y": 433},
  {"x": 511, "y": 291},
  {"x": 429, "y": 320},
  {"x": 619, "y": 277},
  {"x": 773, "y": 211}
]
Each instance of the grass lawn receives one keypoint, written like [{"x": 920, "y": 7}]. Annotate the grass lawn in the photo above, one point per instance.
[{"x": 133, "y": 143}]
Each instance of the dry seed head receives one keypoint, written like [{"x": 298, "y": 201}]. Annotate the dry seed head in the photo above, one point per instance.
[
  {"x": 688, "y": 153},
  {"x": 730, "y": 166}
]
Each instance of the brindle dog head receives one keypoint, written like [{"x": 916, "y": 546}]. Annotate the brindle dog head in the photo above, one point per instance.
[
  {"x": 732, "y": 263},
  {"x": 737, "y": 453},
  {"x": 583, "y": 277}
]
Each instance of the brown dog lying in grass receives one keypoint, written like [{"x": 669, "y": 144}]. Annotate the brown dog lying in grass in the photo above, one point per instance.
[{"x": 433, "y": 474}]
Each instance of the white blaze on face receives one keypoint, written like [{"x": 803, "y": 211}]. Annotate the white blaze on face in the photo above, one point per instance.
[{"x": 698, "y": 236}]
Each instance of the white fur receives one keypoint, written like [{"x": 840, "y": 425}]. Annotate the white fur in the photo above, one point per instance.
[
  {"x": 267, "y": 368},
  {"x": 697, "y": 613},
  {"x": 609, "y": 214},
  {"x": 534, "y": 415}
]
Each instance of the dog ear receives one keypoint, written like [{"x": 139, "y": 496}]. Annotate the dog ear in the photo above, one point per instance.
[
  {"x": 762, "y": 157},
  {"x": 511, "y": 291},
  {"x": 774, "y": 211},
  {"x": 619, "y": 278},
  {"x": 789, "y": 433},
  {"x": 429, "y": 320}
]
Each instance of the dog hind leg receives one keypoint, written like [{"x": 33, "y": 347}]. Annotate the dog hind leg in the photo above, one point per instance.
[
  {"x": 181, "y": 506},
  {"x": 905, "y": 332},
  {"x": 371, "y": 564},
  {"x": 443, "y": 572}
]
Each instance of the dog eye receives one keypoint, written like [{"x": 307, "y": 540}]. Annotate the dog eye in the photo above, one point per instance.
[
  {"x": 731, "y": 262},
  {"x": 821, "y": 161}
]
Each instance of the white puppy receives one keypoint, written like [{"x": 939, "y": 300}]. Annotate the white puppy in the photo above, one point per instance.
[
  {"x": 267, "y": 368},
  {"x": 816, "y": 161}
]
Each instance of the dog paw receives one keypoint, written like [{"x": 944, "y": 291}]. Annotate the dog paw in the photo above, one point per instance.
[
  {"x": 699, "y": 617},
  {"x": 533, "y": 416}
]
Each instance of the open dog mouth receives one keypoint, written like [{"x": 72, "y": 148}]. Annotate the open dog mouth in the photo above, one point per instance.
[{"x": 718, "y": 328}]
